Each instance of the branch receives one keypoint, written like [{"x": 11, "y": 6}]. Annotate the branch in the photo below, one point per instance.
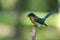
[{"x": 34, "y": 31}]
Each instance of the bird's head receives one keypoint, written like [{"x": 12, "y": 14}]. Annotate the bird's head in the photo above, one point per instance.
[{"x": 31, "y": 14}]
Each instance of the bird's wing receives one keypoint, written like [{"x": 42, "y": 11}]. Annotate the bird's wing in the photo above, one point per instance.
[
  {"x": 39, "y": 20},
  {"x": 49, "y": 14}
]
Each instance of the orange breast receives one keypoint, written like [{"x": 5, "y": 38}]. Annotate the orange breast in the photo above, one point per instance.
[{"x": 32, "y": 19}]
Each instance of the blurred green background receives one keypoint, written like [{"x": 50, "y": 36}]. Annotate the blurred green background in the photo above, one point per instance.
[{"x": 15, "y": 25}]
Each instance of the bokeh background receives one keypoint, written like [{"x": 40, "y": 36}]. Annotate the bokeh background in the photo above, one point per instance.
[{"x": 15, "y": 25}]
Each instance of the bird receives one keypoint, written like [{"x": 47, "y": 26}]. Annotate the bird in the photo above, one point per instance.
[{"x": 37, "y": 20}]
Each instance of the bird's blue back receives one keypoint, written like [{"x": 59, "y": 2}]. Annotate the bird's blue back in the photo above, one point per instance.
[{"x": 41, "y": 20}]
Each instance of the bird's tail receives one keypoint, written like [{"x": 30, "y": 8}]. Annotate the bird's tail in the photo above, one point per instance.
[{"x": 49, "y": 14}]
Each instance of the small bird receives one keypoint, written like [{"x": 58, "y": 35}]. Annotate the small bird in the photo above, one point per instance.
[{"x": 36, "y": 20}]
